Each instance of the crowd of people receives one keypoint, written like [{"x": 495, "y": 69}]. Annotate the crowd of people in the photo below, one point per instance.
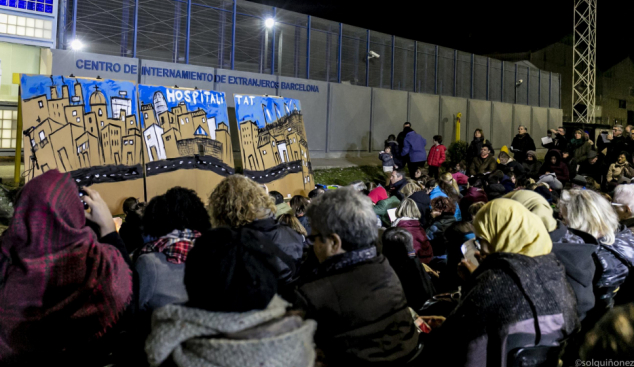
[{"x": 486, "y": 263}]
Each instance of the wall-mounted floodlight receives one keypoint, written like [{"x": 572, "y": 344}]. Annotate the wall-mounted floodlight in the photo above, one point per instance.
[
  {"x": 76, "y": 45},
  {"x": 269, "y": 22}
]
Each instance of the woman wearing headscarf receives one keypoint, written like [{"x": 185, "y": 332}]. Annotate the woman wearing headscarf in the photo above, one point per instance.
[
  {"x": 517, "y": 297},
  {"x": 571, "y": 250},
  {"x": 62, "y": 288}
]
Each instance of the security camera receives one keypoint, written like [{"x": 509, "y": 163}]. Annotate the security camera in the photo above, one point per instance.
[
  {"x": 373, "y": 55},
  {"x": 519, "y": 82}
]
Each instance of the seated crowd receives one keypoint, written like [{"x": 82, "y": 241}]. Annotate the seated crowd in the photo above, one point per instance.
[{"x": 487, "y": 264}]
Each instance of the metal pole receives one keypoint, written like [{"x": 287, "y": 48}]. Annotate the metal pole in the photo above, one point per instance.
[
  {"x": 61, "y": 24},
  {"x": 273, "y": 45},
  {"x": 528, "y": 86},
  {"x": 550, "y": 90},
  {"x": 189, "y": 25},
  {"x": 339, "y": 53},
  {"x": 233, "y": 36},
  {"x": 472, "y": 72},
  {"x": 74, "y": 19},
  {"x": 488, "y": 75},
  {"x": 392, "y": 72},
  {"x": 539, "y": 89},
  {"x": 367, "y": 60},
  {"x": 515, "y": 97},
  {"x": 136, "y": 28},
  {"x": 18, "y": 143},
  {"x": 455, "y": 73},
  {"x": 502, "y": 82},
  {"x": 559, "y": 99},
  {"x": 436, "y": 71},
  {"x": 415, "y": 64},
  {"x": 308, "y": 48}
]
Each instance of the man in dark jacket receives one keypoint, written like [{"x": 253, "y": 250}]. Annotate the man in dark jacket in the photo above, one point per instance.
[
  {"x": 355, "y": 296},
  {"x": 616, "y": 146},
  {"x": 485, "y": 163},
  {"x": 397, "y": 181},
  {"x": 522, "y": 143},
  {"x": 592, "y": 167},
  {"x": 559, "y": 139}
]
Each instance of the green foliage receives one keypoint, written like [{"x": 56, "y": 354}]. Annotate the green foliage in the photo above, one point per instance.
[
  {"x": 345, "y": 176},
  {"x": 456, "y": 152}
]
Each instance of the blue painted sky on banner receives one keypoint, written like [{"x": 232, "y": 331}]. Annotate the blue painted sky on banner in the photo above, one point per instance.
[
  {"x": 261, "y": 109},
  {"x": 213, "y": 103},
  {"x": 37, "y": 85}
]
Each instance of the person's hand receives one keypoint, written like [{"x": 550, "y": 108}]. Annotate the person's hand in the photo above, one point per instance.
[
  {"x": 554, "y": 131},
  {"x": 610, "y": 136},
  {"x": 435, "y": 213},
  {"x": 465, "y": 269},
  {"x": 434, "y": 322},
  {"x": 591, "y": 142},
  {"x": 395, "y": 166},
  {"x": 99, "y": 212}
]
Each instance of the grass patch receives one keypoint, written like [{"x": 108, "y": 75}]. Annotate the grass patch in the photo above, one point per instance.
[{"x": 345, "y": 176}]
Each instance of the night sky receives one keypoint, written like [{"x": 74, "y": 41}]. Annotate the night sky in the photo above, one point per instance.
[{"x": 481, "y": 27}]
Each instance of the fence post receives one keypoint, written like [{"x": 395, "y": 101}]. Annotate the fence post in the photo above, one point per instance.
[
  {"x": 233, "y": 35},
  {"x": 367, "y": 60},
  {"x": 515, "y": 96},
  {"x": 455, "y": 73},
  {"x": 539, "y": 89},
  {"x": 488, "y": 76},
  {"x": 392, "y": 72},
  {"x": 189, "y": 24},
  {"x": 339, "y": 53},
  {"x": 550, "y": 90},
  {"x": 74, "y": 20},
  {"x": 136, "y": 28},
  {"x": 308, "y": 48},
  {"x": 502, "y": 83},
  {"x": 528, "y": 86},
  {"x": 415, "y": 64},
  {"x": 472, "y": 73},
  {"x": 273, "y": 44},
  {"x": 436, "y": 71}
]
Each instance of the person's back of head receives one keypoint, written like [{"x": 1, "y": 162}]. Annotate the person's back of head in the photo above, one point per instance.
[
  {"x": 347, "y": 214},
  {"x": 277, "y": 196},
  {"x": 178, "y": 209},
  {"x": 398, "y": 243},
  {"x": 391, "y": 137},
  {"x": 475, "y": 207},
  {"x": 624, "y": 195},
  {"x": 130, "y": 204},
  {"x": 237, "y": 201},
  {"x": 408, "y": 209},
  {"x": 315, "y": 193},
  {"x": 476, "y": 182},
  {"x": 299, "y": 204},
  {"x": 611, "y": 339},
  {"x": 409, "y": 189},
  {"x": 587, "y": 211},
  {"x": 290, "y": 220},
  {"x": 438, "y": 139},
  {"x": 359, "y": 185},
  {"x": 443, "y": 205}
]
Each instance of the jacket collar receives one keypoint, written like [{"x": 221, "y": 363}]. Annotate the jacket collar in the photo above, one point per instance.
[
  {"x": 404, "y": 219},
  {"x": 346, "y": 259}
]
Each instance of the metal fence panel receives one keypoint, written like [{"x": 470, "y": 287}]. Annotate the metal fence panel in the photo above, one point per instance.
[
  {"x": 534, "y": 88},
  {"x": 381, "y": 68},
  {"x": 324, "y": 38},
  {"x": 162, "y": 33},
  {"x": 404, "y": 64},
  {"x": 445, "y": 71},
  {"x": 544, "y": 96},
  {"x": 210, "y": 34},
  {"x": 426, "y": 68},
  {"x": 554, "y": 95},
  {"x": 354, "y": 55},
  {"x": 290, "y": 50},
  {"x": 463, "y": 75},
  {"x": 495, "y": 80},
  {"x": 521, "y": 88},
  {"x": 509, "y": 82},
  {"x": 480, "y": 74}
]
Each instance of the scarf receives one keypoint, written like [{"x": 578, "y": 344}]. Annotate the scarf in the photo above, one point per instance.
[
  {"x": 197, "y": 337},
  {"x": 347, "y": 259},
  {"x": 576, "y": 143},
  {"x": 509, "y": 227},
  {"x": 175, "y": 245},
  {"x": 59, "y": 287}
]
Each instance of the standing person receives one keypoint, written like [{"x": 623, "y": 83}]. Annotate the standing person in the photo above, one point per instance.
[
  {"x": 408, "y": 217},
  {"x": 63, "y": 287},
  {"x": 616, "y": 146},
  {"x": 476, "y": 144},
  {"x": 395, "y": 149},
  {"x": 484, "y": 163},
  {"x": 522, "y": 143},
  {"x": 414, "y": 148},
  {"x": 387, "y": 158},
  {"x": 400, "y": 140},
  {"x": 436, "y": 156},
  {"x": 355, "y": 295},
  {"x": 517, "y": 297}
]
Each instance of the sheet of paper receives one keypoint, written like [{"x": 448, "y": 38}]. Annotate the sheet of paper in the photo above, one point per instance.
[
  {"x": 546, "y": 140},
  {"x": 392, "y": 214}
]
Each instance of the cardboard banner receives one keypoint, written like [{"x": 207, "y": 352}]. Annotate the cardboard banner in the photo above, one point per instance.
[
  {"x": 86, "y": 127},
  {"x": 273, "y": 143},
  {"x": 186, "y": 139}
]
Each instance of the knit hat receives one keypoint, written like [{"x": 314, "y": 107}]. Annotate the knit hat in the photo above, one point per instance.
[
  {"x": 231, "y": 271},
  {"x": 591, "y": 155},
  {"x": 579, "y": 180},
  {"x": 531, "y": 153}
]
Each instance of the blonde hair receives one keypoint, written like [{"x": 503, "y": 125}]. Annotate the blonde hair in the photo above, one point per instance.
[
  {"x": 475, "y": 208},
  {"x": 291, "y": 220},
  {"x": 588, "y": 211},
  {"x": 410, "y": 188},
  {"x": 408, "y": 209},
  {"x": 237, "y": 201}
]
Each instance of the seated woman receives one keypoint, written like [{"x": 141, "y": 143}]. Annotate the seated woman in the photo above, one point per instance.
[
  {"x": 532, "y": 165},
  {"x": 176, "y": 218},
  {"x": 398, "y": 248},
  {"x": 234, "y": 316},
  {"x": 448, "y": 187},
  {"x": 553, "y": 163},
  {"x": 62, "y": 287},
  {"x": 240, "y": 202},
  {"x": 517, "y": 297},
  {"x": 408, "y": 218},
  {"x": 442, "y": 210}
]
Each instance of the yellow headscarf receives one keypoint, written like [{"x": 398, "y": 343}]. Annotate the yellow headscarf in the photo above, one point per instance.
[
  {"x": 504, "y": 149},
  {"x": 537, "y": 205},
  {"x": 509, "y": 227}
]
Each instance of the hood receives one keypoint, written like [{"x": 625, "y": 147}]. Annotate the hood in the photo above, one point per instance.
[
  {"x": 577, "y": 260},
  {"x": 537, "y": 205},
  {"x": 475, "y": 192},
  {"x": 406, "y": 222},
  {"x": 190, "y": 335},
  {"x": 377, "y": 194},
  {"x": 549, "y": 155}
]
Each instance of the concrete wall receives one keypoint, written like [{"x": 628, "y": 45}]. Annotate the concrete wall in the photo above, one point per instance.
[
  {"x": 424, "y": 114},
  {"x": 501, "y": 124},
  {"x": 478, "y": 117},
  {"x": 521, "y": 116},
  {"x": 449, "y": 108},
  {"x": 349, "y": 118},
  {"x": 389, "y": 112}
]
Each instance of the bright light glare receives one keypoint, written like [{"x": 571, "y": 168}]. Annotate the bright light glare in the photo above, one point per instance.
[
  {"x": 269, "y": 22},
  {"x": 76, "y": 45}
]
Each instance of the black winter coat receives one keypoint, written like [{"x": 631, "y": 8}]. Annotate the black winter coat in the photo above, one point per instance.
[
  {"x": 362, "y": 314},
  {"x": 522, "y": 144},
  {"x": 475, "y": 147},
  {"x": 531, "y": 169}
]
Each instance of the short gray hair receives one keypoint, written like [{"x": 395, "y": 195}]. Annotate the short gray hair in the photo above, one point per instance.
[
  {"x": 347, "y": 213},
  {"x": 624, "y": 194},
  {"x": 524, "y": 126}
]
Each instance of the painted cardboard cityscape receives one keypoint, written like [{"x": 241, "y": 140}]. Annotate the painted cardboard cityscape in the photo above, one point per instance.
[
  {"x": 273, "y": 143},
  {"x": 86, "y": 127},
  {"x": 186, "y": 139}
]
